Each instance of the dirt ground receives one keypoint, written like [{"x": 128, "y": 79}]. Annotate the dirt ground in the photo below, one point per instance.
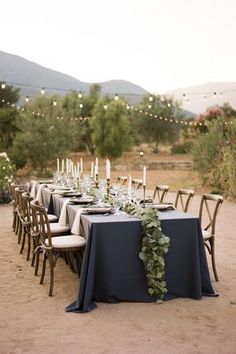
[{"x": 31, "y": 322}]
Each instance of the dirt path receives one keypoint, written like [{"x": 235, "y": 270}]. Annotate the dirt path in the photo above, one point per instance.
[{"x": 31, "y": 322}]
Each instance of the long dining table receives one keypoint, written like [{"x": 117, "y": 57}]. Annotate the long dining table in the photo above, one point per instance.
[{"x": 111, "y": 269}]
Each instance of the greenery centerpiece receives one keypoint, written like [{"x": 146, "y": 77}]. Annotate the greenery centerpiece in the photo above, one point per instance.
[{"x": 154, "y": 246}]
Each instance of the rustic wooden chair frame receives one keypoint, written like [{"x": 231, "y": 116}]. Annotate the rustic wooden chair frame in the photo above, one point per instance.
[
  {"x": 41, "y": 226},
  {"x": 137, "y": 183},
  {"x": 184, "y": 197},
  {"x": 122, "y": 179},
  {"x": 160, "y": 192},
  {"x": 210, "y": 213}
]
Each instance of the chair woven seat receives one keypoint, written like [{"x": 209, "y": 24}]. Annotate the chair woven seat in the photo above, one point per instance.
[
  {"x": 52, "y": 218},
  {"x": 67, "y": 241},
  {"x": 55, "y": 228}
]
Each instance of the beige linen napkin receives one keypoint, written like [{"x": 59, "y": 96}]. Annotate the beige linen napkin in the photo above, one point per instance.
[
  {"x": 76, "y": 224},
  {"x": 63, "y": 214},
  {"x": 39, "y": 196},
  {"x": 33, "y": 189}
]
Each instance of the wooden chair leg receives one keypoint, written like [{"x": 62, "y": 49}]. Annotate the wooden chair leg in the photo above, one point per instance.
[
  {"x": 36, "y": 268},
  {"x": 43, "y": 270},
  {"x": 23, "y": 241},
  {"x": 29, "y": 245},
  {"x": 19, "y": 232},
  {"x": 17, "y": 225},
  {"x": 14, "y": 221},
  {"x": 50, "y": 259},
  {"x": 33, "y": 254},
  {"x": 213, "y": 261}
]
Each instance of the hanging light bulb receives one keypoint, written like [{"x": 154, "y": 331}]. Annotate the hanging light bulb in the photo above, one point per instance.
[
  {"x": 214, "y": 94},
  {"x": 54, "y": 102},
  {"x": 116, "y": 97},
  {"x": 81, "y": 105},
  {"x": 221, "y": 94},
  {"x": 27, "y": 99},
  {"x": 3, "y": 85},
  {"x": 150, "y": 99},
  {"x": 42, "y": 90},
  {"x": 80, "y": 95},
  {"x": 184, "y": 96},
  {"x": 204, "y": 98}
]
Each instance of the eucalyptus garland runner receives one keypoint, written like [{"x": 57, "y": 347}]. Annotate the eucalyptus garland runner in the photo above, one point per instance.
[{"x": 154, "y": 245}]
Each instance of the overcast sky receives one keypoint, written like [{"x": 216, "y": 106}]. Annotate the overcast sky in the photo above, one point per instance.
[{"x": 157, "y": 44}]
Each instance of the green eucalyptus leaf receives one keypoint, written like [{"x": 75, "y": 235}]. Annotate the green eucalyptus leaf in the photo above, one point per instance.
[{"x": 154, "y": 245}]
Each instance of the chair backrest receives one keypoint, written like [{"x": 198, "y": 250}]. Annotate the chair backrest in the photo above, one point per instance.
[
  {"x": 41, "y": 223},
  {"x": 209, "y": 208},
  {"x": 183, "y": 198},
  {"x": 18, "y": 198},
  {"x": 13, "y": 187},
  {"x": 137, "y": 183},
  {"x": 160, "y": 192},
  {"x": 9, "y": 184},
  {"x": 26, "y": 206},
  {"x": 122, "y": 179}
]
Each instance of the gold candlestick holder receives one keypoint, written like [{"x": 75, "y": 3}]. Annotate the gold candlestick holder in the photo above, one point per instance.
[
  {"x": 108, "y": 188},
  {"x": 144, "y": 196},
  {"x": 96, "y": 180}
]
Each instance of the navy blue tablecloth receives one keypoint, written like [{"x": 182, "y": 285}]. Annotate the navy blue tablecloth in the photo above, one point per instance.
[{"x": 112, "y": 271}]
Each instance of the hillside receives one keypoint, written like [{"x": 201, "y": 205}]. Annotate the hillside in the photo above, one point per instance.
[
  {"x": 31, "y": 77},
  {"x": 201, "y": 97}
]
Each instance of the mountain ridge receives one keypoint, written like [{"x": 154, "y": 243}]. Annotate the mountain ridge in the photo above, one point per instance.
[{"x": 30, "y": 77}]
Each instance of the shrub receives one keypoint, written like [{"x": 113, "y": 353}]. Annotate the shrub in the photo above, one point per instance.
[
  {"x": 6, "y": 172},
  {"x": 214, "y": 157},
  {"x": 183, "y": 148}
]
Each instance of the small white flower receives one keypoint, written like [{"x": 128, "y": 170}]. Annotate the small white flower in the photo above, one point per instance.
[
  {"x": 4, "y": 154},
  {"x": 3, "y": 167}
]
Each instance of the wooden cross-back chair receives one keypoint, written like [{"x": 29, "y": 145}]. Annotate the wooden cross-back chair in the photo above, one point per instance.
[
  {"x": 137, "y": 183},
  {"x": 52, "y": 247},
  {"x": 122, "y": 179},
  {"x": 209, "y": 209},
  {"x": 183, "y": 198},
  {"x": 160, "y": 192},
  {"x": 20, "y": 218},
  {"x": 12, "y": 188},
  {"x": 27, "y": 214}
]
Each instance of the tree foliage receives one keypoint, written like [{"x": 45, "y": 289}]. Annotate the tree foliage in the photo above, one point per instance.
[
  {"x": 111, "y": 128},
  {"x": 8, "y": 116},
  {"x": 214, "y": 157},
  {"x": 155, "y": 129},
  {"x": 76, "y": 106},
  {"x": 42, "y": 137}
]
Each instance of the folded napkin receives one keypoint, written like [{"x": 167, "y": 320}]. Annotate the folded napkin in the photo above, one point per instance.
[
  {"x": 63, "y": 214},
  {"x": 39, "y": 196},
  {"x": 33, "y": 189},
  {"x": 76, "y": 224}
]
